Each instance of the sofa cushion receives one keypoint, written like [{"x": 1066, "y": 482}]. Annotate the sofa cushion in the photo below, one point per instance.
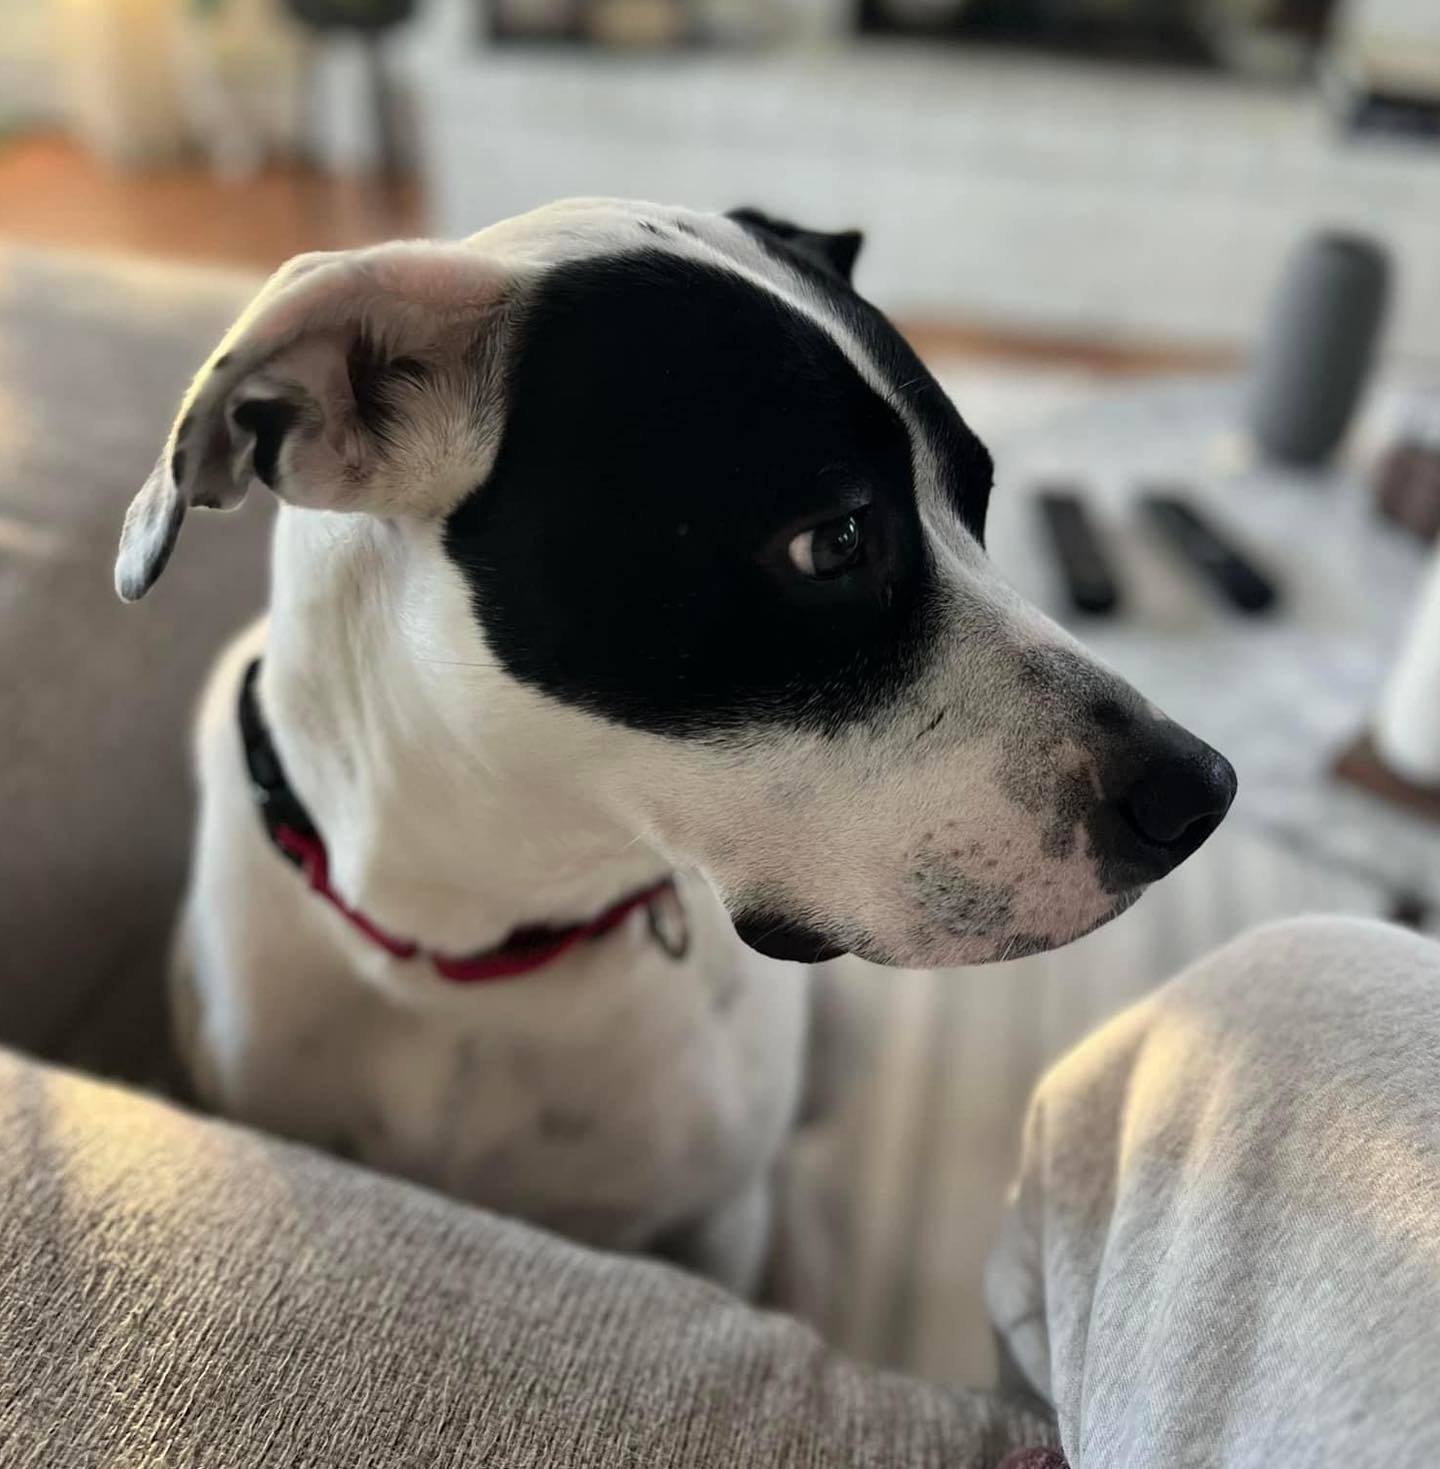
[
  {"x": 181, "y": 1291},
  {"x": 95, "y": 795}
]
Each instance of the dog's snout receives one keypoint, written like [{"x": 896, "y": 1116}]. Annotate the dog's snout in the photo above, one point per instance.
[{"x": 1164, "y": 799}]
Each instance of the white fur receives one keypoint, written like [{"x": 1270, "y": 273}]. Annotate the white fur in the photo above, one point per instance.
[{"x": 617, "y": 1096}]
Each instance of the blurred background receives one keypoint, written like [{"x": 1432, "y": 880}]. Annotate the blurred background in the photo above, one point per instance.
[
  {"x": 1122, "y": 174},
  {"x": 1177, "y": 261}
]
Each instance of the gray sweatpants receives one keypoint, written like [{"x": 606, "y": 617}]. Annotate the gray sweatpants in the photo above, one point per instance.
[{"x": 1224, "y": 1247}]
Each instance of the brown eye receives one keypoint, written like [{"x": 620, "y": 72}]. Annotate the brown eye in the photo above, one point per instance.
[{"x": 829, "y": 549}]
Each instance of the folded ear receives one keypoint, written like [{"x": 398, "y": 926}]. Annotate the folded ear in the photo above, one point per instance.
[
  {"x": 353, "y": 381},
  {"x": 835, "y": 254}
]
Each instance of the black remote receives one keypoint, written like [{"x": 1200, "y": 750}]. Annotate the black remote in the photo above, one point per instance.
[
  {"x": 1218, "y": 560},
  {"x": 1089, "y": 579}
]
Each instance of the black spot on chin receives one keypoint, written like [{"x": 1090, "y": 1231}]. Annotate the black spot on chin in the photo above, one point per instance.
[{"x": 953, "y": 899}]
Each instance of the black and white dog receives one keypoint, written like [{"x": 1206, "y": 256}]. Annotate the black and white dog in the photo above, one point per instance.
[{"x": 628, "y": 594}]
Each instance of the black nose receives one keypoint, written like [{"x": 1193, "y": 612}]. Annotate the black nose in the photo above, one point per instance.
[{"x": 1170, "y": 791}]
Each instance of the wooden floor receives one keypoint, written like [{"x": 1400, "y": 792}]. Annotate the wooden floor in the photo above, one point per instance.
[{"x": 54, "y": 193}]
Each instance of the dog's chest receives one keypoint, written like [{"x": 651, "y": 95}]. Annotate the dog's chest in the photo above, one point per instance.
[{"x": 607, "y": 1106}]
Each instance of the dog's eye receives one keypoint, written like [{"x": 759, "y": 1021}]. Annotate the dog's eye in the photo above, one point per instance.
[{"x": 829, "y": 549}]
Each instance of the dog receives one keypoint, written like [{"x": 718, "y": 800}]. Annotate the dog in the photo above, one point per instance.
[{"x": 631, "y": 638}]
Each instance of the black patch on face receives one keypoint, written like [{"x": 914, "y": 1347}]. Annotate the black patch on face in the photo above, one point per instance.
[
  {"x": 671, "y": 427},
  {"x": 177, "y": 466},
  {"x": 966, "y": 469},
  {"x": 269, "y": 419}
]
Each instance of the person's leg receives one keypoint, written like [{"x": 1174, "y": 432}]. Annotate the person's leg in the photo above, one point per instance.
[
  {"x": 178, "y": 1291},
  {"x": 1224, "y": 1247}
]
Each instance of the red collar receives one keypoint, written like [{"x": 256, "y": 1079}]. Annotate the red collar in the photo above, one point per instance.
[{"x": 290, "y": 828}]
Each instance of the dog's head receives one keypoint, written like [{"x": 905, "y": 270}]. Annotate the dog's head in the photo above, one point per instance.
[{"x": 692, "y": 505}]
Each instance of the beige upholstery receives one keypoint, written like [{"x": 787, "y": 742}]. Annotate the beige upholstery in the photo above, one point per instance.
[
  {"x": 179, "y": 1292},
  {"x": 95, "y": 697}
]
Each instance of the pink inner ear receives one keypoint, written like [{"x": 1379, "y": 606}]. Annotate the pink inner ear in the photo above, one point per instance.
[
  {"x": 294, "y": 342},
  {"x": 398, "y": 293},
  {"x": 441, "y": 277}
]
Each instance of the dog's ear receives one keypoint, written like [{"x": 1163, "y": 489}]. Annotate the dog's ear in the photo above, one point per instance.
[
  {"x": 349, "y": 383},
  {"x": 835, "y": 254}
]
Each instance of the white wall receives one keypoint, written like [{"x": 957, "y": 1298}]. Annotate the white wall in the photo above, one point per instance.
[{"x": 1025, "y": 193}]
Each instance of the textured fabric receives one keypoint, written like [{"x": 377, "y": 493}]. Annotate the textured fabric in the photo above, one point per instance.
[
  {"x": 178, "y": 1292},
  {"x": 1225, "y": 1245},
  {"x": 95, "y": 698}
]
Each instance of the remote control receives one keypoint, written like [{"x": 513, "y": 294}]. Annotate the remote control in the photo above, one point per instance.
[
  {"x": 1217, "y": 559},
  {"x": 1089, "y": 580}
]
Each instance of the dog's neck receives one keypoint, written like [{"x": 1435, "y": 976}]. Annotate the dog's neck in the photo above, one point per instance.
[{"x": 450, "y": 812}]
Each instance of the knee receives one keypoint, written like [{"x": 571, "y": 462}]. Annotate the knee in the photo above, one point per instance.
[{"x": 1322, "y": 968}]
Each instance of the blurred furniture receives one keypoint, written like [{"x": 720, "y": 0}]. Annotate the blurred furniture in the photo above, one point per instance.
[
  {"x": 368, "y": 22},
  {"x": 145, "y": 81},
  {"x": 894, "y": 1185},
  {"x": 996, "y": 187},
  {"x": 1262, "y": 34},
  {"x": 1406, "y": 723},
  {"x": 1386, "y": 70},
  {"x": 1407, "y": 479},
  {"x": 94, "y": 784}
]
